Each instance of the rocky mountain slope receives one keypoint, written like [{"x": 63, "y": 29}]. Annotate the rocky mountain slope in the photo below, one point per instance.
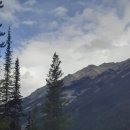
[{"x": 98, "y": 97}]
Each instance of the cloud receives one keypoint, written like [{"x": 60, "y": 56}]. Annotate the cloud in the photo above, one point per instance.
[
  {"x": 60, "y": 11},
  {"x": 94, "y": 35},
  {"x": 10, "y": 8},
  {"x": 30, "y": 2},
  {"x": 96, "y": 44},
  {"x": 13, "y": 10},
  {"x": 53, "y": 25},
  {"x": 29, "y": 22}
]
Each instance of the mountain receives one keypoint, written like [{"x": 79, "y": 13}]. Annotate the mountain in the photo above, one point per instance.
[{"x": 98, "y": 97}]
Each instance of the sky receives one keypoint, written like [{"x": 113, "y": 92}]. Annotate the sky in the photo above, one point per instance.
[{"x": 82, "y": 32}]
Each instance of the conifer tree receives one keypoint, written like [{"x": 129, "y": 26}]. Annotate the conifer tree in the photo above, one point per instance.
[
  {"x": 15, "y": 103},
  {"x": 54, "y": 118},
  {"x": 2, "y": 44},
  {"x": 1, "y": 97},
  {"x": 7, "y": 83}
]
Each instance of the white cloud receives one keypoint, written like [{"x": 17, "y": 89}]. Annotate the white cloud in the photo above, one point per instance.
[
  {"x": 13, "y": 8},
  {"x": 60, "y": 11},
  {"x": 53, "y": 25},
  {"x": 30, "y": 2},
  {"x": 29, "y": 22},
  {"x": 10, "y": 8},
  {"x": 92, "y": 36}
]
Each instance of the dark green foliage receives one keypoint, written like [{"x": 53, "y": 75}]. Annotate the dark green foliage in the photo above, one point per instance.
[
  {"x": 7, "y": 84},
  {"x": 54, "y": 118},
  {"x": 1, "y": 46},
  {"x": 16, "y": 96},
  {"x": 10, "y": 98},
  {"x": 15, "y": 103},
  {"x": 1, "y": 101},
  {"x": 4, "y": 124}
]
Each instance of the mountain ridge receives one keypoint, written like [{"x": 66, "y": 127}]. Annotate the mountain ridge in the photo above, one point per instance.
[
  {"x": 91, "y": 91},
  {"x": 85, "y": 73}
]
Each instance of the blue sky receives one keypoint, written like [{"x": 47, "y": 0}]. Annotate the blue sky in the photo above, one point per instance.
[{"x": 82, "y": 32}]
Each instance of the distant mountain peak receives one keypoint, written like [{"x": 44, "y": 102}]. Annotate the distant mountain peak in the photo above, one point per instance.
[{"x": 91, "y": 71}]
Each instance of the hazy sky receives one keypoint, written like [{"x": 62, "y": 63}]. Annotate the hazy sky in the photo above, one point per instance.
[{"x": 82, "y": 32}]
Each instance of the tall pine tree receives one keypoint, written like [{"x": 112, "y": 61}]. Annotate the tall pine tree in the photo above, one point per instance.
[
  {"x": 54, "y": 118},
  {"x": 2, "y": 44},
  {"x": 7, "y": 83},
  {"x": 15, "y": 103}
]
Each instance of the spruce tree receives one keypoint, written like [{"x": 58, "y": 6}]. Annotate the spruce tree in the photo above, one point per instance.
[
  {"x": 54, "y": 117},
  {"x": 7, "y": 82},
  {"x": 15, "y": 103},
  {"x": 1, "y": 98},
  {"x": 2, "y": 45}
]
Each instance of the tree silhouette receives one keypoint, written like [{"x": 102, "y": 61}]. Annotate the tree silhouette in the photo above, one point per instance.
[
  {"x": 54, "y": 118},
  {"x": 15, "y": 103},
  {"x": 7, "y": 83}
]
